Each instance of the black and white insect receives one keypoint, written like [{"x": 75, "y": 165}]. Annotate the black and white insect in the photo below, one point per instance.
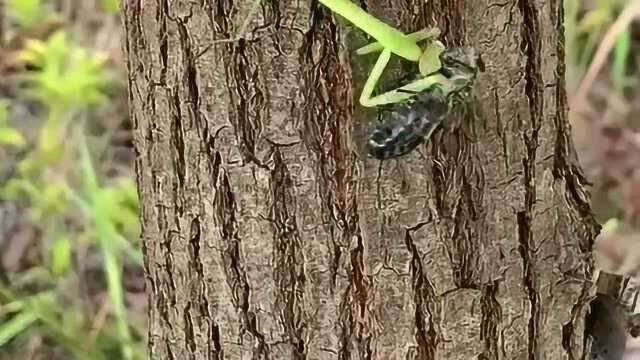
[
  {"x": 408, "y": 125},
  {"x": 411, "y": 123}
]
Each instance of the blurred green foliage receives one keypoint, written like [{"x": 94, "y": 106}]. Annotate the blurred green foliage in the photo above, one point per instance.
[
  {"x": 70, "y": 204},
  {"x": 111, "y": 6},
  {"x": 8, "y": 135},
  {"x": 27, "y": 13},
  {"x": 68, "y": 76},
  {"x": 584, "y": 31}
]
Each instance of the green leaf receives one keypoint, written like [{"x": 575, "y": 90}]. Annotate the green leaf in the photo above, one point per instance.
[
  {"x": 61, "y": 255},
  {"x": 17, "y": 324},
  {"x": 610, "y": 226},
  {"x": 621, "y": 53},
  {"x": 68, "y": 76},
  {"x": 11, "y": 136},
  {"x": 28, "y": 13},
  {"x": 111, "y": 6},
  {"x": 4, "y": 111},
  {"x": 16, "y": 187},
  {"x": 594, "y": 19}
]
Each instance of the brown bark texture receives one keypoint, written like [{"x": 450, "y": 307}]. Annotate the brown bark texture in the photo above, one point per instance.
[{"x": 267, "y": 235}]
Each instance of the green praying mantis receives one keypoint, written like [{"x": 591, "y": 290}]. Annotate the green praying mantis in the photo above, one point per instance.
[
  {"x": 392, "y": 41},
  {"x": 449, "y": 71}
]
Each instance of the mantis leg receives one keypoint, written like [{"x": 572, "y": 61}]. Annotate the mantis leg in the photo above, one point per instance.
[
  {"x": 424, "y": 34},
  {"x": 372, "y": 80},
  {"x": 400, "y": 94},
  {"x": 389, "y": 36}
]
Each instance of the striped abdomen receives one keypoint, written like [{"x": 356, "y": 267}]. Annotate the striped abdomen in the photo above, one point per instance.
[{"x": 407, "y": 126}]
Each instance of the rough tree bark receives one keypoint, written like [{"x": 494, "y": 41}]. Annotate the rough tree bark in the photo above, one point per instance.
[{"x": 267, "y": 236}]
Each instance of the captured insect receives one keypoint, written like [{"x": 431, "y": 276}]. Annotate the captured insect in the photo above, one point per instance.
[
  {"x": 411, "y": 123},
  {"x": 407, "y": 126},
  {"x": 446, "y": 78}
]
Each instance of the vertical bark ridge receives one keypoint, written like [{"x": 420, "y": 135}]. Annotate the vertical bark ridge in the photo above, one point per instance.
[
  {"x": 458, "y": 178},
  {"x": 219, "y": 13},
  {"x": 247, "y": 96},
  {"x": 448, "y": 15},
  {"x": 161, "y": 17},
  {"x": 490, "y": 322},
  {"x": 247, "y": 93},
  {"x": 565, "y": 166},
  {"x": 427, "y": 303},
  {"x": 459, "y": 189},
  {"x": 531, "y": 42},
  {"x": 234, "y": 269},
  {"x": 160, "y": 239},
  {"x": 527, "y": 253},
  {"x": 289, "y": 272},
  {"x": 567, "y": 169},
  {"x": 213, "y": 339},
  {"x": 324, "y": 120},
  {"x": 326, "y": 133}
]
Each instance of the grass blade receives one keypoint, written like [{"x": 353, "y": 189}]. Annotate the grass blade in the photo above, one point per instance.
[{"x": 16, "y": 325}]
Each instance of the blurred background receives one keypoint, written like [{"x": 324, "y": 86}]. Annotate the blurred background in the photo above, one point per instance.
[{"x": 71, "y": 280}]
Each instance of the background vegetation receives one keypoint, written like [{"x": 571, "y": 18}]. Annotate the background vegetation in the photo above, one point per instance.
[{"x": 71, "y": 283}]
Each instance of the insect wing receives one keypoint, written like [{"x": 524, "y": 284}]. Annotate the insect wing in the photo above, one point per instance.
[{"x": 407, "y": 126}]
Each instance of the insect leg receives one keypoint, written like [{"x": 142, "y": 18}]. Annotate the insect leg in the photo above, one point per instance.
[
  {"x": 372, "y": 80},
  {"x": 417, "y": 36}
]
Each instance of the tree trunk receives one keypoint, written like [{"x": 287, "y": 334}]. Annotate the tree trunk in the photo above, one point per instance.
[{"x": 268, "y": 236}]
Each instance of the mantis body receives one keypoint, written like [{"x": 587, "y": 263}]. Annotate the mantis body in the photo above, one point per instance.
[{"x": 391, "y": 40}]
